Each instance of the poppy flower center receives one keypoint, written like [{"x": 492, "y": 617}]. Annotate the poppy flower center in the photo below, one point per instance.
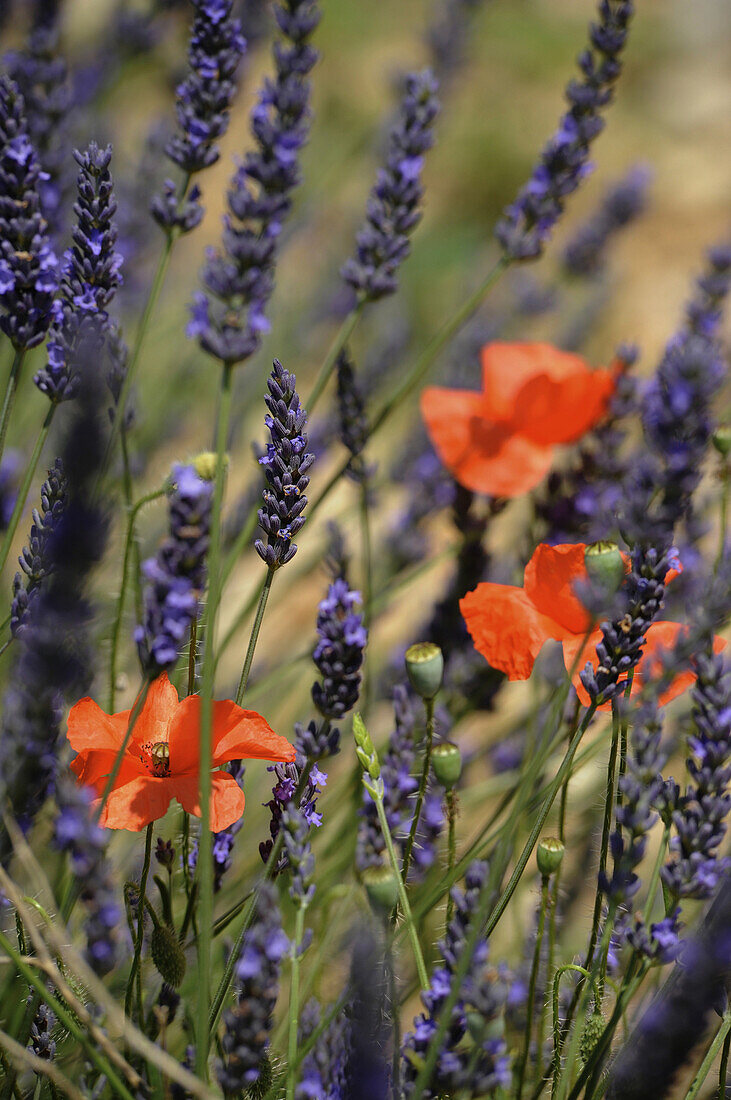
[{"x": 156, "y": 758}]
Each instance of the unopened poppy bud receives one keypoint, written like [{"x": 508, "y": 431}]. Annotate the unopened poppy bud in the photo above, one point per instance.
[
  {"x": 381, "y": 887},
  {"x": 425, "y": 668},
  {"x": 722, "y": 439},
  {"x": 482, "y": 1030},
  {"x": 167, "y": 954},
  {"x": 590, "y": 1036},
  {"x": 604, "y": 565},
  {"x": 205, "y": 463},
  {"x": 446, "y": 761},
  {"x": 549, "y": 855}
]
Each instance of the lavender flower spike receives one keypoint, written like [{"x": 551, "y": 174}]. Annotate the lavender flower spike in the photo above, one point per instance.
[
  {"x": 285, "y": 465},
  {"x": 229, "y": 318},
  {"x": 339, "y": 651},
  {"x": 393, "y": 211},
  {"x": 28, "y": 265},
  {"x": 585, "y": 254},
  {"x": 91, "y": 275},
  {"x": 177, "y": 574},
  {"x": 247, "y": 1026},
  {"x": 203, "y": 101},
  {"x": 526, "y": 225},
  {"x": 36, "y": 560}
]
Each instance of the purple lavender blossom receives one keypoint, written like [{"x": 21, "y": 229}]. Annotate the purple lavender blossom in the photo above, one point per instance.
[
  {"x": 393, "y": 211},
  {"x": 448, "y": 34},
  {"x": 695, "y": 867},
  {"x": 176, "y": 576},
  {"x": 338, "y": 654},
  {"x": 91, "y": 275},
  {"x": 77, "y": 833},
  {"x": 229, "y": 319},
  {"x": 285, "y": 466},
  {"x": 36, "y": 560},
  {"x": 299, "y": 855},
  {"x": 460, "y": 1069},
  {"x": 223, "y": 842},
  {"x": 323, "y": 1071},
  {"x": 585, "y": 254},
  {"x": 283, "y": 792},
  {"x": 352, "y": 416},
  {"x": 10, "y": 468},
  {"x": 527, "y": 224},
  {"x": 28, "y": 265},
  {"x": 41, "y": 1032},
  {"x": 247, "y": 1026}
]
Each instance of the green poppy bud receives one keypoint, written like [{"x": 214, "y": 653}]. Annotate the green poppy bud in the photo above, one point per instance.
[
  {"x": 381, "y": 887},
  {"x": 549, "y": 855},
  {"x": 722, "y": 439},
  {"x": 167, "y": 954},
  {"x": 604, "y": 565},
  {"x": 446, "y": 760},
  {"x": 425, "y": 668},
  {"x": 590, "y": 1036}
]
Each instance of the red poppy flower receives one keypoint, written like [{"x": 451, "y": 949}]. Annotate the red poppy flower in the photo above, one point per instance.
[
  {"x": 509, "y": 625},
  {"x": 161, "y": 761},
  {"x": 533, "y": 397}
]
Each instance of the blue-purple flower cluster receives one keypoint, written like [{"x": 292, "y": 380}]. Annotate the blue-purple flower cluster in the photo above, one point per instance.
[
  {"x": 480, "y": 1067},
  {"x": 77, "y": 833},
  {"x": 247, "y": 1026},
  {"x": 223, "y": 841},
  {"x": 229, "y": 318},
  {"x": 283, "y": 794},
  {"x": 323, "y": 1071},
  {"x": 526, "y": 225},
  {"x": 36, "y": 560},
  {"x": 353, "y": 420},
  {"x": 176, "y": 576},
  {"x": 285, "y": 467},
  {"x": 91, "y": 275},
  {"x": 338, "y": 654},
  {"x": 393, "y": 209},
  {"x": 28, "y": 264},
  {"x": 585, "y": 254}
]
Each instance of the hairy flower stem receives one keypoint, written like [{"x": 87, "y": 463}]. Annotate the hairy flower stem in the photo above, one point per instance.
[
  {"x": 403, "y": 899},
  {"x": 533, "y": 981},
  {"x": 25, "y": 487},
  {"x": 254, "y": 637},
  {"x": 721, "y": 1038},
  {"x": 429, "y": 704},
  {"x": 11, "y": 391},
  {"x": 205, "y": 844},
  {"x": 294, "y": 1002},
  {"x": 557, "y": 1029},
  {"x": 341, "y": 338},
  {"x": 451, "y": 846},
  {"x": 606, "y": 829},
  {"x": 129, "y": 541},
  {"x": 136, "y": 958}
]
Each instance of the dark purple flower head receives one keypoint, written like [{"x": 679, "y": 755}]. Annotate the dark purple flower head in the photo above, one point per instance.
[
  {"x": 176, "y": 576},
  {"x": 339, "y": 651},
  {"x": 299, "y": 856},
  {"x": 285, "y": 466},
  {"x": 248, "y": 1024},
  {"x": 585, "y": 254},
  {"x": 229, "y": 318},
  {"x": 352, "y": 416},
  {"x": 393, "y": 211},
  {"x": 527, "y": 224},
  {"x": 36, "y": 559},
  {"x": 41, "y": 1032},
  {"x": 28, "y": 265}
]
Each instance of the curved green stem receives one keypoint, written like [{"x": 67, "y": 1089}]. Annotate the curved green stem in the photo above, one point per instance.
[
  {"x": 11, "y": 391},
  {"x": 341, "y": 338},
  {"x": 254, "y": 637},
  {"x": 557, "y": 1029},
  {"x": 25, "y": 487},
  {"x": 205, "y": 850},
  {"x": 409, "y": 847},
  {"x": 140, "y": 933}
]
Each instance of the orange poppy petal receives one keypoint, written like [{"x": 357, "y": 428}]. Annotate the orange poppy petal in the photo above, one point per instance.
[
  {"x": 549, "y": 581},
  {"x": 136, "y": 804},
  {"x": 449, "y": 417},
  {"x": 227, "y": 798},
  {"x": 550, "y": 412},
  {"x": 154, "y": 720},
  {"x": 92, "y": 769},
  {"x": 506, "y": 627},
  {"x": 90, "y": 728},
  {"x": 508, "y": 367},
  {"x": 236, "y": 734}
]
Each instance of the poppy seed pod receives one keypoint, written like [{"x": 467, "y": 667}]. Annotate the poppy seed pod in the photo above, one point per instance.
[
  {"x": 604, "y": 565},
  {"x": 167, "y": 955},
  {"x": 446, "y": 762},
  {"x": 425, "y": 668},
  {"x": 549, "y": 855},
  {"x": 722, "y": 439},
  {"x": 381, "y": 888}
]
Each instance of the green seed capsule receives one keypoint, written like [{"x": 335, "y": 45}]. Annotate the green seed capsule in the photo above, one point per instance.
[
  {"x": 425, "y": 668},
  {"x": 381, "y": 887},
  {"x": 205, "y": 463},
  {"x": 167, "y": 955},
  {"x": 549, "y": 855},
  {"x": 722, "y": 439},
  {"x": 604, "y": 565},
  {"x": 446, "y": 760},
  {"x": 590, "y": 1036}
]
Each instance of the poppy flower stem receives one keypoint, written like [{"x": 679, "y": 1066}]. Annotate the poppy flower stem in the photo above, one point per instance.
[
  {"x": 254, "y": 637},
  {"x": 135, "y": 968},
  {"x": 408, "y": 850},
  {"x": 341, "y": 338},
  {"x": 205, "y": 844},
  {"x": 606, "y": 829}
]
